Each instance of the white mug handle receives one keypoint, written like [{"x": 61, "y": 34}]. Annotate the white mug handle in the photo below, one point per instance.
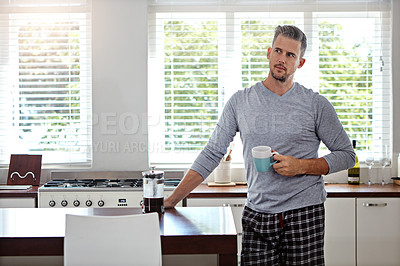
[{"x": 273, "y": 153}]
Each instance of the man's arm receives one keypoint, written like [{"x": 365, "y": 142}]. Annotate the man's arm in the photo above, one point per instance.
[
  {"x": 210, "y": 156},
  {"x": 290, "y": 166},
  {"x": 191, "y": 180}
]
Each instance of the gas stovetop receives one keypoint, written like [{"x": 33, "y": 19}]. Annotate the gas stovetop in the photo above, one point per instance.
[
  {"x": 84, "y": 193},
  {"x": 93, "y": 184}
]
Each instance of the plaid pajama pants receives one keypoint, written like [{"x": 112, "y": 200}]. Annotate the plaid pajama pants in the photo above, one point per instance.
[{"x": 295, "y": 237}]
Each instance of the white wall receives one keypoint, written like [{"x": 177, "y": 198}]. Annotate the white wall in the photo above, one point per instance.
[{"x": 119, "y": 85}]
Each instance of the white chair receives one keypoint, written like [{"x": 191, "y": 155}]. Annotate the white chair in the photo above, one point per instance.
[{"x": 112, "y": 240}]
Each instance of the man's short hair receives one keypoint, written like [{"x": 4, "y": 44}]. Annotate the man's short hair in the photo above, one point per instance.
[{"x": 294, "y": 33}]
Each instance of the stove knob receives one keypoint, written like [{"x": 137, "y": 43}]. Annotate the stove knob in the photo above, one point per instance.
[
  {"x": 64, "y": 203},
  {"x": 76, "y": 203},
  {"x": 52, "y": 203},
  {"x": 88, "y": 203},
  {"x": 100, "y": 203}
]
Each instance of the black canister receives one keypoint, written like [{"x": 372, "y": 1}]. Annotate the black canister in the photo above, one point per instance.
[{"x": 153, "y": 191}]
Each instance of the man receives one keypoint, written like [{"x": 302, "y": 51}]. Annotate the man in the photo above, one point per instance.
[{"x": 283, "y": 220}]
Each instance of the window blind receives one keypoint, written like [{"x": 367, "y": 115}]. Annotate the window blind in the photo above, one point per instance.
[
  {"x": 191, "y": 82},
  {"x": 45, "y": 83},
  {"x": 348, "y": 61}
]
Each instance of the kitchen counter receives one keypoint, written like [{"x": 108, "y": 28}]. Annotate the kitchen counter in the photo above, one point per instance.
[
  {"x": 21, "y": 198},
  {"x": 362, "y": 190},
  {"x": 189, "y": 230},
  {"x": 333, "y": 190},
  {"x": 11, "y": 193}
]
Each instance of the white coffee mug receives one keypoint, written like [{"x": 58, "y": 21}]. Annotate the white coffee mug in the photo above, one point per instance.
[{"x": 263, "y": 158}]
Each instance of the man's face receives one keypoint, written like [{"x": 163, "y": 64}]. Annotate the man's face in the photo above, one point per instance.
[{"x": 284, "y": 58}]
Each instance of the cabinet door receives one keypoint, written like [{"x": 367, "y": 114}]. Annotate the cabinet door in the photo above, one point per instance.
[
  {"x": 340, "y": 231},
  {"x": 378, "y": 231},
  {"x": 22, "y": 202}
]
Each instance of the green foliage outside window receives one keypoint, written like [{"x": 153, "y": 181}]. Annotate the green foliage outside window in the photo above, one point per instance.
[{"x": 192, "y": 98}]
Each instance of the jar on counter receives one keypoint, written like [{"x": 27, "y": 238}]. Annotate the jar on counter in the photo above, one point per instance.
[{"x": 153, "y": 191}]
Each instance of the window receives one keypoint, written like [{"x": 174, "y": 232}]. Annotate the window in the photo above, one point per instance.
[
  {"x": 199, "y": 55},
  {"x": 45, "y": 83}
]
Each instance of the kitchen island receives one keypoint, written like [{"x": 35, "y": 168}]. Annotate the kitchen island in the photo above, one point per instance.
[{"x": 40, "y": 231}]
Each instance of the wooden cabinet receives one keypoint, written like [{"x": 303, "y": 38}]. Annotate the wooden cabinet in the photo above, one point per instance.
[
  {"x": 378, "y": 231},
  {"x": 340, "y": 231}
]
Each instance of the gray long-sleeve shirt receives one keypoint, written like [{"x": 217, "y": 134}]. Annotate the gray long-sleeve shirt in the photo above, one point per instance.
[{"x": 292, "y": 124}]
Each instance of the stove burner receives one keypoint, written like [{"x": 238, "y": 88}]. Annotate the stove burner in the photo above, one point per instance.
[
  {"x": 104, "y": 183},
  {"x": 67, "y": 183},
  {"x": 131, "y": 183}
]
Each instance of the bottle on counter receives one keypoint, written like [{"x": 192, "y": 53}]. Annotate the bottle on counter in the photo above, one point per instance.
[{"x": 353, "y": 174}]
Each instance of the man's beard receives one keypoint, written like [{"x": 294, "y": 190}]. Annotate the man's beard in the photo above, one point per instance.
[{"x": 282, "y": 78}]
